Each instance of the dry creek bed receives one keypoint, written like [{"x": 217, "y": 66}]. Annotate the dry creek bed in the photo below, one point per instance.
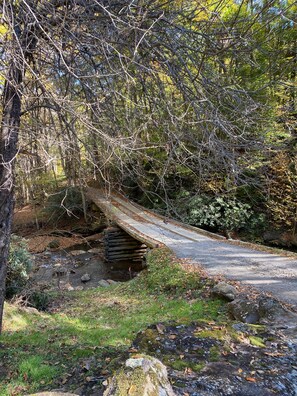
[{"x": 64, "y": 269}]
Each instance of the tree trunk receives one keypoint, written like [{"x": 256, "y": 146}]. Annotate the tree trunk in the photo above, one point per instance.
[{"x": 11, "y": 103}]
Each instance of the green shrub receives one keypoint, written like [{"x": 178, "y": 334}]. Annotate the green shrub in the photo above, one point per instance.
[
  {"x": 19, "y": 265},
  {"x": 38, "y": 298},
  {"x": 222, "y": 213}
]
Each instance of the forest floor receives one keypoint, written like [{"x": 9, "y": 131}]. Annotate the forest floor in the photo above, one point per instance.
[{"x": 165, "y": 311}]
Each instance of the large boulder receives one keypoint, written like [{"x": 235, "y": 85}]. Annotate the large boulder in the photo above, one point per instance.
[
  {"x": 142, "y": 376},
  {"x": 244, "y": 310},
  {"x": 263, "y": 309},
  {"x": 272, "y": 311}
]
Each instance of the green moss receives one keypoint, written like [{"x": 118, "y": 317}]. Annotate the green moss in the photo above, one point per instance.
[
  {"x": 132, "y": 385},
  {"x": 213, "y": 333},
  {"x": 257, "y": 341},
  {"x": 133, "y": 382},
  {"x": 181, "y": 365},
  {"x": 214, "y": 353},
  {"x": 149, "y": 340},
  {"x": 256, "y": 327}
]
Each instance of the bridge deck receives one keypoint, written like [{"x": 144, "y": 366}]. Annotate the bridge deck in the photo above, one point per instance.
[{"x": 266, "y": 271}]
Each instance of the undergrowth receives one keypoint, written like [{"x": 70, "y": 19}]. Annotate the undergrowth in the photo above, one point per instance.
[
  {"x": 42, "y": 351},
  {"x": 18, "y": 268}
]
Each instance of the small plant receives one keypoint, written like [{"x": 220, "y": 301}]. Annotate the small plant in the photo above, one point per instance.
[{"x": 19, "y": 265}]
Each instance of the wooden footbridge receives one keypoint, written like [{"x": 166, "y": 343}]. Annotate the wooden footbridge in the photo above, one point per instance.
[
  {"x": 236, "y": 260},
  {"x": 138, "y": 228}
]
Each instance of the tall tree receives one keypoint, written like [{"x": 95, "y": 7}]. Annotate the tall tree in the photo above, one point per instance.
[{"x": 16, "y": 56}]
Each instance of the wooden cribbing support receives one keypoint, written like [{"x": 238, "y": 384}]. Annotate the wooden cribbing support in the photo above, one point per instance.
[{"x": 120, "y": 246}]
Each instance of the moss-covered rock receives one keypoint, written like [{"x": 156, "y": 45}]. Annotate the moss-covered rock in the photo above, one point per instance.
[{"x": 142, "y": 375}]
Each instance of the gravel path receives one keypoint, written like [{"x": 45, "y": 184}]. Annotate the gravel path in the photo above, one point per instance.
[{"x": 267, "y": 272}]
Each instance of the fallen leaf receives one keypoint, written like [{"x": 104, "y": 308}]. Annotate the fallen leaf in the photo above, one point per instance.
[
  {"x": 251, "y": 379},
  {"x": 172, "y": 337}
]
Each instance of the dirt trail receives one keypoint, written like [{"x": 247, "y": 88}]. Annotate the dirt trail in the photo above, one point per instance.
[{"x": 267, "y": 272}]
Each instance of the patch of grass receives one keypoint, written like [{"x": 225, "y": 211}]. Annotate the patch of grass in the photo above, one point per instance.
[
  {"x": 33, "y": 369},
  {"x": 89, "y": 323},
  {"x": 164, "y": 275},
  {"x": 214, "y": 353},
  {"x": 15, "y": 318}
]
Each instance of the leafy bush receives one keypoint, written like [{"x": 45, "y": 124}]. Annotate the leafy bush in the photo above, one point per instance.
[
  {"x": 67, "y": 202},
  {"x": 19, "y": 265},
  {"x": 222, "y": 213}
]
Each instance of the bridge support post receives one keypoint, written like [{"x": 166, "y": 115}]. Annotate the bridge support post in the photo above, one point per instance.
[{"x": 120, "y": 246}]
